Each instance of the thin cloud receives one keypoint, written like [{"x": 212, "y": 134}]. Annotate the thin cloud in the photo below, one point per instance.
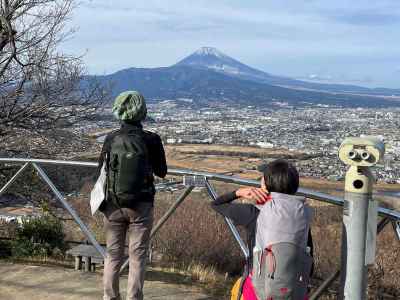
[
  {"x": 287, "y": 37},
  {"x": 368, "y": 18}
]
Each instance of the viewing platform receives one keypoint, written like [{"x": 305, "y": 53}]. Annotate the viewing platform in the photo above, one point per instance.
[
  {"x": 19, "y": 281},
  {"x": 44, "y": 282}
]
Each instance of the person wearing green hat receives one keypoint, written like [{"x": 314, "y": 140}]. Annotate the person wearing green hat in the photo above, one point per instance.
[{"x": 131, "y": 157}]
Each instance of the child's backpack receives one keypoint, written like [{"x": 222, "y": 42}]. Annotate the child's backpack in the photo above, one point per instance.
[
  {"x": 282, "y": 271},
  {"x": 243, "y": 287},
  {"x": 129, "y": 170}
]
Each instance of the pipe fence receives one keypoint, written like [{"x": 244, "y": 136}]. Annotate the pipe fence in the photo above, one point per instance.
[{"x": 191, "y": 179}]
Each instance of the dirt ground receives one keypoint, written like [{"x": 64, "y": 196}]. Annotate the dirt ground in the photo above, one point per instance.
[{"x": 19, "y": 281}]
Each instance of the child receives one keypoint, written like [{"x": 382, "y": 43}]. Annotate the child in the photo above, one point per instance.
[{"x": 279, "y": 235}]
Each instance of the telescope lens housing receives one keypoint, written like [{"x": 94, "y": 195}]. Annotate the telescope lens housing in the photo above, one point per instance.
[
  {"x": 363, "y": 151},
  {"x": 352, "y": 154},
  {"x": 365, "y": 155}
]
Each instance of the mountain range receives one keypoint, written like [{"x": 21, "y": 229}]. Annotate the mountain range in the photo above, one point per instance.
[{"x": 210, "y": 77}]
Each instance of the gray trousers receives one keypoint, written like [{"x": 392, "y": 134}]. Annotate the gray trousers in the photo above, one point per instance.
[{"x": 137, "y": 224}]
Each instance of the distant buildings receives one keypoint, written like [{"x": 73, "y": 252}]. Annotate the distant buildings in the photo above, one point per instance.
[
  {"x": 315, "y": 130},
  {"x": 17, "y": 217},
  {"x": 264, "y": 145}
]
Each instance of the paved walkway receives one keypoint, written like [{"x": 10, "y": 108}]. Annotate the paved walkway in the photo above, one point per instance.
[{"x": 24, "y": 282}]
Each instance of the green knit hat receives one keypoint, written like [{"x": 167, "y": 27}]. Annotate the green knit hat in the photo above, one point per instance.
[{"x": 130, "y": 106}]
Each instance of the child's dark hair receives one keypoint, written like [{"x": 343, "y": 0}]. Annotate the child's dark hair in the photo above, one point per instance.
[{"x": 281, "y": 177}]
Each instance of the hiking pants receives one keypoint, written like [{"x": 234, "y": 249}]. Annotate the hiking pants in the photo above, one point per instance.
[{"x": 137, "y": 224}]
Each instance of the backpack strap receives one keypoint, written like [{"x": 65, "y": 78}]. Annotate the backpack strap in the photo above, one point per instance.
[
  {"x": 108, "y": 149},
  {"x": 269, "y": 254},
  {"x": 249, "y": 261},
  {"x": 106, "y": 163},
  {"x": 140, "y": 132}
]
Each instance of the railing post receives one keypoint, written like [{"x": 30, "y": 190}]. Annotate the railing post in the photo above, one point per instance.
[
  {"x": 325, "y": 285},
  {"x": 171, "y": 210},
  {"x": 71, "y": 211},
  {"x": 236, "y": 235}
]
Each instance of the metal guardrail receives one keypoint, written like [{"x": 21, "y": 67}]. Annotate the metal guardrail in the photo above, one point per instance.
[
  {"x": 197, "y": 178},
  {"x": 312, "y": 194}
]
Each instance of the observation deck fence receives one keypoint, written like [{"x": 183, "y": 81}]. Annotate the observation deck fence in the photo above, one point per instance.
[{"x": 191, "y": 179}]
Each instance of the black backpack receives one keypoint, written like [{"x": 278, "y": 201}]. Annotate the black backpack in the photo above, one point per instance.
[{"x": 129, "y": 172}]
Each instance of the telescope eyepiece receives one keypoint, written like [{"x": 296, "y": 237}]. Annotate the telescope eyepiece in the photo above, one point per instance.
[
  {"x": 352, "y": 154},
  {"x": 365, "y": 155}
]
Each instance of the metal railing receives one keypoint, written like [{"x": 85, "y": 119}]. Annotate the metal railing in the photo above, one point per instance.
[{"x": 191, "y": 179}]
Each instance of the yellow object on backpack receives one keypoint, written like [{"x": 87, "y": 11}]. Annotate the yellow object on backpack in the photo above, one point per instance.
[{"x": 236, "y": 290}]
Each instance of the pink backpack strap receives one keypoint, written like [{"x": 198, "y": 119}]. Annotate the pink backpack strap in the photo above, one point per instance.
[{"x": 248, "y": 290}]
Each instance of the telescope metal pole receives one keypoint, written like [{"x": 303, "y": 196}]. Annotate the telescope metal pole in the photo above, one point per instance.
[{"x": 357, "y": 202}]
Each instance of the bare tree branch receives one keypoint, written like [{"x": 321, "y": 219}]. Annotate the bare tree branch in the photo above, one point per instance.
[{"x": 41, "y": 87}]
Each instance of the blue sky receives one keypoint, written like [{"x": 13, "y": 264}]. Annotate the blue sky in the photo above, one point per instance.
[{"x": 355, "y": 42}]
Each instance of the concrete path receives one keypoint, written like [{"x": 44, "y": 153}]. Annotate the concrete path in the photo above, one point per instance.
[{"x": 24, "y": 282}]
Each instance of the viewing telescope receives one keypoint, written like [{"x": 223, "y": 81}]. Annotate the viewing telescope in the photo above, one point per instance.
[
  {"x": 362, "y": 151},
  {"x": 360, "y": 213}
]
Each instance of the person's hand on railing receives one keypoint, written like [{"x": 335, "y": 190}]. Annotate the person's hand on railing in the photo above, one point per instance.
[{"x": 258, "y": 195}]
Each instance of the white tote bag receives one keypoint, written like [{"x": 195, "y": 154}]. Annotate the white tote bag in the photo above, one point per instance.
[{"x": 97, "y": 194}]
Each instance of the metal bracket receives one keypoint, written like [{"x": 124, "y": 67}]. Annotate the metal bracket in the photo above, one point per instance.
[{"x": 196, "y": 181}]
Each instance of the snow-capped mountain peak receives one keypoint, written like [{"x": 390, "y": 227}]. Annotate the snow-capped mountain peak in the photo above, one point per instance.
[
  {"x": 212, "y": 58},
  {"x": 209, "y": 51}
]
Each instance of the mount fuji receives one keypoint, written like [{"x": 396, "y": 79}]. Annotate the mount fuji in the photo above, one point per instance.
[
  {"x": 209, "y": 77},
  {"x": 213, "y": 59}
]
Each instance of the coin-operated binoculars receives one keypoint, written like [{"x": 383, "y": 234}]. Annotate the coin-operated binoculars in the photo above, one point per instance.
[{"x": 360, "y": 214}]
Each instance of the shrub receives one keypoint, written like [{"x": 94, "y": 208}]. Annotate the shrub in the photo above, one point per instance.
[
  {"x": 5, "y": 248},
  {"x": 8, "y": 229},
  {"x": 40, "y": 236},
  {"x": 196, "y": 235}
]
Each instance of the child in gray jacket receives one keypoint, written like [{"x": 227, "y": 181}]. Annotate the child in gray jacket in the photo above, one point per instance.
[{"x": 278, "y": 227}]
